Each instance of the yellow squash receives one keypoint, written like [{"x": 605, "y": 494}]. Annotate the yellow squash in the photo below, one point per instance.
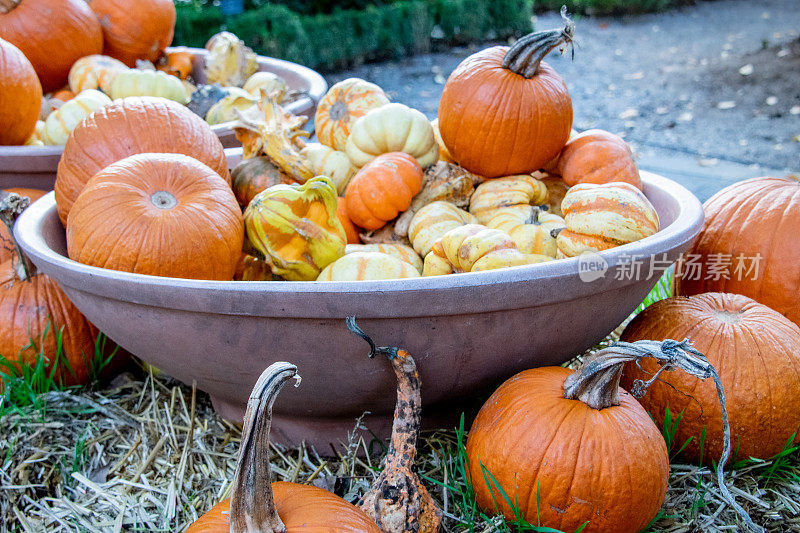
[{"x": 358, "y": 266}]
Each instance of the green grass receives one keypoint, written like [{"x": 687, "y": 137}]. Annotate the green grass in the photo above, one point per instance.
[
  {"x": 777, "y": 468},
  {"x": 661, "y": 291}
]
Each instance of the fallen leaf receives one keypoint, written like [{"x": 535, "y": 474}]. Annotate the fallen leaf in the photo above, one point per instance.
[
  {"x": 795, "y": 110},
  {"x": 439, "y": 79},
  {"x": 727, "y": 104},
  {"x": 662, "y": 110},
  {"x": 707, "y": 162},
  {"x": 638, "y": 75},
  {"x": 772, "y": 100},
  {"x": 746, "y": 70},
  {"x": 685, "y": 117},
  {"x": 783, "y": 52},
  {"x": 629, "y": 113}
]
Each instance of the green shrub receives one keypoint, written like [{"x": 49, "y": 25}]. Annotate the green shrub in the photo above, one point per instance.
[{"x": 608, "y": 7}]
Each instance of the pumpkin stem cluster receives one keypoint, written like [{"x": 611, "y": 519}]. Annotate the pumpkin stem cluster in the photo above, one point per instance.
[
  {"x": 597, "y": 385},
  {"x": 527, "y": 53},
  {"x": 11, "y": 207}
]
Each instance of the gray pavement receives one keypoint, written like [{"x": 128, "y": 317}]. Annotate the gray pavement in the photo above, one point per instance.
[{"x": 708, "y": 94}]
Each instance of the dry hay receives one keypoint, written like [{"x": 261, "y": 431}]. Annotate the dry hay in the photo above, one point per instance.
[{"x": 150, "y": 454}]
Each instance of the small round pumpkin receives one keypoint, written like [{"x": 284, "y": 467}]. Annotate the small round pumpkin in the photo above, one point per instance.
[
  {"x": 382, "y": 189},
  {"x": 146, "y": 124},
  {"x": 158, "y": 214},
  {"x": 530, "y": 227},
  {"x": 52, "y": 34},
  {"x": 392, "y": 128},
  {"x": 177, "y": 63},
  {"x": 504, "y": 111},
  {"x": 495, "y": 194},
  {"x": 62, "y": 121},
  {"x": 94, "y": 72},
  {"x": 400, "y": 251},
  {"x": 597, "y": 156},
  {"x": 140, "y": 32},
  {"x": 343, "y": 104},
  {"x": 358, "y": 266},
  {"x": 251, "y": 176},
  {"x": 136, "y": 82},
  {"x": 325, "y": 161},
  {"x": 350, "y": 229},
  {"x": 749, "y": 245},
  {"x": 432, "y": 221},
  {"x": 20, "y": 95},
  {"x": 757, "y": 353}
]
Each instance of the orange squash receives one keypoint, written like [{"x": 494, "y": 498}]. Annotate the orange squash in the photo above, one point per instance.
[
  {"x": 177, "y": 63},
  {"x": 20, "y": 95},
  {"x": 349, "y": 228},
  {"x": 597, "y": 156},
  {"x": 158, "y": 214}
]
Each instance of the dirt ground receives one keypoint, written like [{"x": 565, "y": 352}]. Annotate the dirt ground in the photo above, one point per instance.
[{"x": 716, "y": 81}]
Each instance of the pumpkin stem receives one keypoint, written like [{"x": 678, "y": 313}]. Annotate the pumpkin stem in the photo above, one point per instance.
[
  {"x": 397, "y": 499},
  {"x": 597, "y": 385},
  {"x": 527, "y": 53},
  {"x": 11, "y": 207},
  {"x": 252, "y": 504},
  {"x": 7, "y": 6}
]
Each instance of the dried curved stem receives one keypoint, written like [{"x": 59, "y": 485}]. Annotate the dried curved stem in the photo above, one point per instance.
[
  {"x": 397, "y": 499},
  {"x": 252, "y": 504},
  {"x": 11, "y": 207},
  {"x": 527, "y": 53},
  {"x": 597, "y": 385}
]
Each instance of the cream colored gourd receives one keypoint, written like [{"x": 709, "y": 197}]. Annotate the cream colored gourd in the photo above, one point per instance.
[
  {"x": 62, "y": 121},
  {"x": 325, "y": 161},
  {"x": 268, "y": 82},
  {"x": 227, "y": 109},
  {"x": 392, "y": 128},
  {"x": 473, "y": 248},
  {"x": 600, "y": 217},
  {"x": 359, "y": 266},
  {"x": 494, "y": 194},
  {"x": 94, "y": 72},
  {"x": 400, "y": 251},
  {"x": 434, "y": 220},
  {"x": 37, "y": 137},
  {"x": 135, "y": 82},
  {"x": 530, "y": 227}
]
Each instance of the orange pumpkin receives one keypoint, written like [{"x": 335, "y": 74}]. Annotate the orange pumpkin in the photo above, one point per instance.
[
  {"x": 132, "y": 126},
  {"x": 749, "y": 245},
  {"x": 6, "y": 244},
  {"x": 65, "y": 95},
  {"x": 382, "y": 189},
  {"x": 757, "y": 353},
  {"x": 349, "y": 228},
  {"x": 178, "y": 63},
  {"x": 251, "y": 176},
  {"x": 20, "y": 95},
  {"x": 343, "y": 104},
  {"x": 52, "y": 34},
  {"x": 258, "y": 505},
  {"x": 597, "y": 156},
  {"x": 504, "y": 111},
  {"x": 158, "y": 214},
  {"x": 131, "y": 31}
]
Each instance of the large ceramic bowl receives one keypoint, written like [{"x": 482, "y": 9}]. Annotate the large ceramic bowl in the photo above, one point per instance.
[
  {"x": 35, "y": 166},
  {"x": 467, "y": 331}
]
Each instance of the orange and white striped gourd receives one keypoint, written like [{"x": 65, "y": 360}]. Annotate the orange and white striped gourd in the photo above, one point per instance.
[
  {"x": 342, "y": 105},
  {"x": 358, "y": 266},
  {"x": 94, "y": 72},
  {"x": 400, "y": 251},
  {"x": 530, "y": 227},
  {"x": 325, "y": 161},
  {"x": 432, "y": 221},
  {"x": 62, "y": 121},
  {"x": 494, "y": 194},
  {"x": 602, "y": 216}
]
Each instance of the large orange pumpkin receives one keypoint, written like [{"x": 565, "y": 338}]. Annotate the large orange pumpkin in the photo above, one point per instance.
[
  {"x": 382, "y": 189},
  {"x": 20, "y": 95},
  {"x": 757, "y": 353},
  {"x": 749, "y": 245},
  {"x": 597, "y": 156},
  {"x": 504, "y": 111},
  {"x": 52, "y": 34},
  {"x": 135, "y": 30},
  {"x": 158, "y": 214},
  {"x": 6, "y": 244},
  {"x": 132, "y": 126}
]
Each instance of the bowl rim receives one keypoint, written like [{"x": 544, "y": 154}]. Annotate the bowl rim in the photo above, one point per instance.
[{"x": 312, "y": 298}]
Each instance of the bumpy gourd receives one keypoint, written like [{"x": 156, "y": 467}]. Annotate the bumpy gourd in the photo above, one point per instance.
[
  {"x": 135, "y": 82},
  {"x": 496, "y": 194},
  {"x": 296, "y": 228},
  {"x": 434, "y": 220},
  {"x": 62, "y": 121},
  {"x": 530, "y": 227},
  {"x": 358, "y": 266}
]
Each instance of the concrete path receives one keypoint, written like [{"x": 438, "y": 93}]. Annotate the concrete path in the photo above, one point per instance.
[{"x": 708, "y": 94}]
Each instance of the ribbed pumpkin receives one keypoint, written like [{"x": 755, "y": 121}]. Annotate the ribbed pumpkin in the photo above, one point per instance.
[
  {"x": 350, "y": 230},
  {"x": 530, "y": 227},
  {"x": 597, "y": 156},
  {"x": 257, "y": 504},
  {"x": 135, "y": 31},
  {"x": 750, "y": 236},
  {"x": 757, "y": 353},
  {"x": 382, "y": 189},
  {"x": 400, "y": 251},
  {"x": 251, "y": 176},
  {"x": 434, "y": 220},
  {"x": 360, "y": 266},
  {"x": 504, "y": 111},
  {"x": 343, "y": 104},
  {"x": 6, "y": 244},
  {"x": 600, "y": 217},
  {"x": 94, "y": 72},
  {"x": 20, "y": 95},
  {"x": 132, "y": 126},
  {"x": 62, "y": 121},
  {"x": 52, "y": 34},
  {"x": 492, "y": 195},
  {"x": 136, "y": 82},
  {"x": 158, "y": 214}
]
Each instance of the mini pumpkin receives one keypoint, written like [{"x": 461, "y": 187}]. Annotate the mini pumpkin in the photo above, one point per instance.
[
  {"x": 431, "y": 222},
  {"x": 177, "y": 63},
  {"x": 94, "y": 72},
  {"x": 399, "y": 251},
  {"x": 600, "y": 217},
  {"x": 157, "y": 214},
  {"x": 141, "y": 33},
  {"x": 495, "y": 194},
  {"x": 392, "y": 128},
  {"x": 343, "y": 104},
  {"x": 350, "y": 229},
  {"x": 229, "y": 62},
  {"x": 62, "y": 121},
  {"x": 20, "y": 95},
  {"x": 597, "y": 156},
  {"x": 382, "y": 189},
  {"x": 251, "y": 176},
  {"x": 296, "y": 228},
  {"x": 358, "y": 266},
  {"x": 530, "y": 228},
  {"x": 325, "y": 161},
  {"x": 136, "y": 82}
]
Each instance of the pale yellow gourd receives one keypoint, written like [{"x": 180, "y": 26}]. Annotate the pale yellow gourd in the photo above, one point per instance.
[
  {"x": 392, "y": 128},
  {"x": 227, "y": 109},
  {"x": 268, "y": 82},
  {"x": 400, "y": 251},
  {"x": 229, "y": 61},
  {"x": 507, "y": 191},
  {"x": 135, "y": 82},
  {"x": 36, "y": 138},
  {"x": 432, "y": 221},
  {"x": 62, "y": 121},
  {"x": 325, "y": 161},
  {"x": 358, "y": 266},
  {"x": 530, "y": 227}
]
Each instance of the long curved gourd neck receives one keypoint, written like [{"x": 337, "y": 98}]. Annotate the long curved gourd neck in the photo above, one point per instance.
[
  {"x": 7, "y": 6},
  {"x": 525, "y": 55},
  {"x": 11, "y": 207},
  {"x": 408, "y": 409},
  {"x": 596, "y": 384},
  {"x": 252, "y": 503}
]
